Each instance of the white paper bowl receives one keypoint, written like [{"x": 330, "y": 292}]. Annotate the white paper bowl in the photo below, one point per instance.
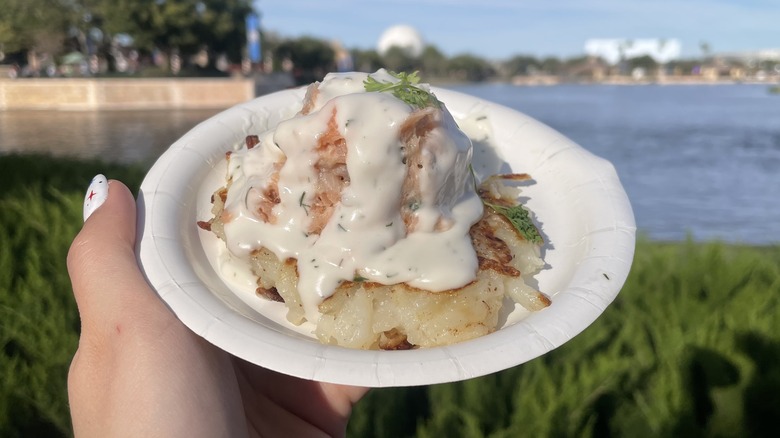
[{"x": 577, "y": 198}]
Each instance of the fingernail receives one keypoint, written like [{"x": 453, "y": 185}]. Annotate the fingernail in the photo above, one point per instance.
[{"x": 96, "y": 195}]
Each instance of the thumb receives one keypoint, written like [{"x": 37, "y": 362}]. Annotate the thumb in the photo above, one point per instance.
[
  {"x": 107, "y": 283},
  {"x": 134, "y": 369}
]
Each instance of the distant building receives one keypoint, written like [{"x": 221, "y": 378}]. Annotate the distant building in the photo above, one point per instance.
[
  {"x": 752, "y": 55},
  {"x": 615, "y": 50},
  {"x": 403, "y": 36}
]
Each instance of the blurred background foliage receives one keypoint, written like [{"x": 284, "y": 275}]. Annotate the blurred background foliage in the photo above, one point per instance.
[
  {"x": 40, "y": 213},
  {"x": 47, "y": 31},
  {"x": 689, "y": 348},
  {"x": 141, "y": 38}
]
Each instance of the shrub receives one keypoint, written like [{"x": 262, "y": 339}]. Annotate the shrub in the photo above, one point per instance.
[{"x": 689, "y": 348}]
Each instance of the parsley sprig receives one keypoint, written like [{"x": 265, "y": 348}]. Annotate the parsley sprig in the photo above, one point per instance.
[
  {"x": 517, "y": 215},
  {"x": 406, "y": 89}
]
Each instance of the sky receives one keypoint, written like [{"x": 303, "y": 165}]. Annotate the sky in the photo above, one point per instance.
[{"x": 500, "y": 29}]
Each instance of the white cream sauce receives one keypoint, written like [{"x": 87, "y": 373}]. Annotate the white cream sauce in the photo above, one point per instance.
[{"x": 365, "y": 237}]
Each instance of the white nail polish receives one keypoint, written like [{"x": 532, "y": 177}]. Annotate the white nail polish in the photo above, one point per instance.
[{"x": 96, "y": 195}]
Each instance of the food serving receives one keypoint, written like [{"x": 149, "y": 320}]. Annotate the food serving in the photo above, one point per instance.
[
  {"x": 363, "y": 216},
  {"x": 577, "y": 198}
]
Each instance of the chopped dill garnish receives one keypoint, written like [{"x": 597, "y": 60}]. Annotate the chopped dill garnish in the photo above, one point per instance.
[
  {"x": 305, "y": 206},
  {"x": 406, "y": 89}
]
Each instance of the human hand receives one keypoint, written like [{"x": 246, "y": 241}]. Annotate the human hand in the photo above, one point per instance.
[{"x": 139, "y": 371}]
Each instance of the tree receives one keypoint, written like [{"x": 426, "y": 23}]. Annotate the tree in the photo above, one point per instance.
[
  {"x": 646, "y": 62},
  {"x": 706, "y": 50},
  {"x": 470, "y": 68},
  {"x": 683, "y": 66},
  {"x": 312, "y": 58},
  {"x": 221, "y": 26},
  {"x": 433, "y": 62},
  {"x": 521, "y": 65},
  {"x": 575, "y": 61},
  {"x": 399, "y": 59},
  {"x": 183, "y": 26},
  {"x": 367, "y": 60},
  {"x": 551, "y": 65},
  {"x": 270, "y": 42},
  {"x": 34, "y": 26}
]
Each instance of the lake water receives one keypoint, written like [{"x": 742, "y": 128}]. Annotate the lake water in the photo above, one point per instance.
[
  {"x": 695, "y": 160},
  {"x": 699, "y": 161},
  {"x": 128, "y": 137}
]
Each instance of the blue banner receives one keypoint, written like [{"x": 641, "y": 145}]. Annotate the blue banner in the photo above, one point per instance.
[{"x": 253, "y": 37}]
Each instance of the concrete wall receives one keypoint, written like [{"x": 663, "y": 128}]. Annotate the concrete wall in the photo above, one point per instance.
[{"x": 123, "y": 94}]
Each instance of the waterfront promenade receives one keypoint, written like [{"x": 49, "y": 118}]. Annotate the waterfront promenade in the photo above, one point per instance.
[
  {"x": 90, "y": 94},
  {"x": 123, "y": 94}
]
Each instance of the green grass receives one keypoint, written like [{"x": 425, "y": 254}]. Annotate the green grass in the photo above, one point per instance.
[
  {"x": 40, "y": 213},
  {"x": 691, "y": 347}
]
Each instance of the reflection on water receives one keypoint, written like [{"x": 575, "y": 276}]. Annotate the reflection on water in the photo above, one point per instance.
[{"x": 117, "y": 136}]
